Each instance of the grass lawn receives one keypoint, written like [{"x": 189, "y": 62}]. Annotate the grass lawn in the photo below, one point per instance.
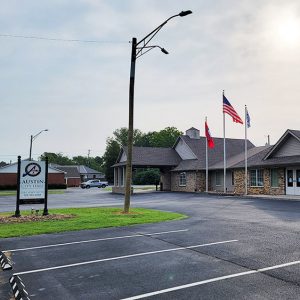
[
  {"x": 12, "y": 193},
  {"x": 84, "y": 218}
]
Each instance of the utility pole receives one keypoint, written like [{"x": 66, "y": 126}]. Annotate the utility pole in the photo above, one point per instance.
[
  {"x": 138, "y": 49},
  {"x": 89, "y": 151}
]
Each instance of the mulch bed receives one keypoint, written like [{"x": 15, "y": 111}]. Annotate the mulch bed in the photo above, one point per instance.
[{"x": 34, "y": 218}]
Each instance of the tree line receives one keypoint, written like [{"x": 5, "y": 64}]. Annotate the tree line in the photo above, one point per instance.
[{"x": 163, "y": 138}]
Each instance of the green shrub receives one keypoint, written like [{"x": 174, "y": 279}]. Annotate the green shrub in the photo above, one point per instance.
[{"x": 146, "y": 176}]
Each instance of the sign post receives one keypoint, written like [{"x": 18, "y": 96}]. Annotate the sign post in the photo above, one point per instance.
[
  {"x": 45, "y": 213},
  {"x": 17, "y": 212}
]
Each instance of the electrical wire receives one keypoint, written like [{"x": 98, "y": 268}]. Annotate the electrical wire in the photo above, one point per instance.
[{"x": 61, "y": 39}]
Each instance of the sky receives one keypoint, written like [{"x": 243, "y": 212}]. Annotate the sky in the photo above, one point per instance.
[{"x": 79, "y": 90}]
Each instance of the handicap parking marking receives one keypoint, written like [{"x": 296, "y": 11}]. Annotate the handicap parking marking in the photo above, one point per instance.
[
  {"x": 96, "y": 240},
  {"x": 202, "y": 282},
  {"x": 124, "y": 257}
]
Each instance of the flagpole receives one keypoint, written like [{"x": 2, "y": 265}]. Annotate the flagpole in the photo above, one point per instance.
[
  {"x": 206, "y": 160},
  {"x": 224, "y": 141},
  {"x": 246, "y": 153}
]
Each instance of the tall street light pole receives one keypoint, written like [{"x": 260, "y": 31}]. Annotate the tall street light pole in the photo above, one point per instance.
[
  {"x": 138, "y": 49},
  {"x": 32, "y": 138}
]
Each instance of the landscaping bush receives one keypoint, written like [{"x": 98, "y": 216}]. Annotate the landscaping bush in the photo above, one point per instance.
[{"x": 146, "y": 176}]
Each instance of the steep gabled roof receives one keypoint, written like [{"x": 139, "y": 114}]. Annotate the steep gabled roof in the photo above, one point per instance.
[
  {"x": 234, "y": 147},
  {"x": 151, "y": 156},
  {"x": 215, "y": 155},
  {"x": 281, "y": 141}
]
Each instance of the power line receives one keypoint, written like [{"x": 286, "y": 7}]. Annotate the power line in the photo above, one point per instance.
[{"x": 61, "y": 39}]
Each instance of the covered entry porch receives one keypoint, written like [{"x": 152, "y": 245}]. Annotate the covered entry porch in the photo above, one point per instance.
[{"x": 164, "y": 159}]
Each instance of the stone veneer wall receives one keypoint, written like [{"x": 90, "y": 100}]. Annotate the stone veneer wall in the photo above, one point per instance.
[
  {"x": 201, "y": 181},
  {"x": 195, "y": 181},
  {"x": 239, "y": 183},
  {"x": 165, "y": 180}
]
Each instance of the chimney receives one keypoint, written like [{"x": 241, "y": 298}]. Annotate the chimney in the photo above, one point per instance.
[{"x": 193, "y": 133}]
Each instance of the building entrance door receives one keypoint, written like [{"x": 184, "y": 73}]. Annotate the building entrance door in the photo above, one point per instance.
[{"x": 293, "y": 181}]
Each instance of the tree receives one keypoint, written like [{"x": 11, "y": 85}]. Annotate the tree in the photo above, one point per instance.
[
  {"x": 57, "y": 158},
  {"x": 121, "y": 136},
  {"x": 3, "y": 164},
  {"x": 164, "y": 138},
  {"x": 109, "y": 158}
]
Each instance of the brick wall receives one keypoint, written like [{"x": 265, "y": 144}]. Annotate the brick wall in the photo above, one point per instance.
[
  {"x": 267, "y": 189},
  {"x": 56, "y": 178},
  {"x": 10, "y": 179},
  {"x": 73, "y": 182}
]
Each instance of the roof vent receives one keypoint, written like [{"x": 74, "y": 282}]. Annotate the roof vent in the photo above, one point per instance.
[{"x": 193, "y": 133}]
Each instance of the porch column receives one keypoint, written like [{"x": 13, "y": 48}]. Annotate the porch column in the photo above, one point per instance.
[{"x": 123, "y": 171}]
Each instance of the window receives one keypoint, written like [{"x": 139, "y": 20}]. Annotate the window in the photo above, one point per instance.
[
  {"x": 274, "y": 178},
  {"x": 256, "y": 178},
  {"x": 182, "y": 179},
  {"x": 219, "y": 177},
  {"x": 232, "y": 177},
  {"x": 290, "y": 178}
]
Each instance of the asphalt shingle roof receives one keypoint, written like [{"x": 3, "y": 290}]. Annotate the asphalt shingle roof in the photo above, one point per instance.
[
  {"x": 148, "y": 156},
  {"x": 71, "y": 171},
  {"x": 152, "y": 156},
  {"x": 215, "y": 155},
  {"x": 87, "y": 170},
  {"x": 239, "y": 159},
  {"x": 296, "y": 133}
]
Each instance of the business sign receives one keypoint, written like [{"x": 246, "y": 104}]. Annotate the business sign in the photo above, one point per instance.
[{"x": 32, "y": 180}]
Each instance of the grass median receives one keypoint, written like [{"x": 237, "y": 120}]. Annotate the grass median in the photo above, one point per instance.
[{"x": 71, "y": 219}]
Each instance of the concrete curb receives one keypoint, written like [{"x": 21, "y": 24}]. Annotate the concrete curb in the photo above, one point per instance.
[
  {"x": 5, "y": 262},
  {"x": 18, "y": 288}
]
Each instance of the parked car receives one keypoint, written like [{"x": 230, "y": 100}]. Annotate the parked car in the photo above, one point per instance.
[{"x": 94, "y": 183}]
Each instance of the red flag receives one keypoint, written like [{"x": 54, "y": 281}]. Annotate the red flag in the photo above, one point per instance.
[{"x": 210, "y": 141}]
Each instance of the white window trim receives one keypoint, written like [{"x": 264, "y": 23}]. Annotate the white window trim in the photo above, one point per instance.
[
  {"x": 257, "y": 186},
  {"x": 180, "y": 184}
]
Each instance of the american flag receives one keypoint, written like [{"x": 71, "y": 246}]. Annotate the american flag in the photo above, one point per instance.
[{"x": 228, "y": 109}]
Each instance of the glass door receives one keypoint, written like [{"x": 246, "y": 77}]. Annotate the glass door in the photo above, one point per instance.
[
  {"x": 290, "y": 190},
  {"x": 297, "y": 183}
]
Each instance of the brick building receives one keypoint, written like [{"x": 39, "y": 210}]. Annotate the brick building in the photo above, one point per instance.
[
  {"x": 271, "y": 169},
  {"x": 8, "y": 177}
]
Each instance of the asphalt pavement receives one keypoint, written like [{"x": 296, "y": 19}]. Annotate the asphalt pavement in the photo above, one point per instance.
[{"x": 228, "y": 248}]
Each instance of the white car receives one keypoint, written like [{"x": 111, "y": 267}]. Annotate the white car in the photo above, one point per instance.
[{"x": 94, "y": 183}]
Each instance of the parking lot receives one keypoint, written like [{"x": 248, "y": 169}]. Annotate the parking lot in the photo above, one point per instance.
[{"x": 228, "y": 248}]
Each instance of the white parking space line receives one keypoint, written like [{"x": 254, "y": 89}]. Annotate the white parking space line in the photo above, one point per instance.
[
  {"x": 96, "y": 240},
  {"x": 122, "y": 257},
  {"x": 185, "y": 286}
]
